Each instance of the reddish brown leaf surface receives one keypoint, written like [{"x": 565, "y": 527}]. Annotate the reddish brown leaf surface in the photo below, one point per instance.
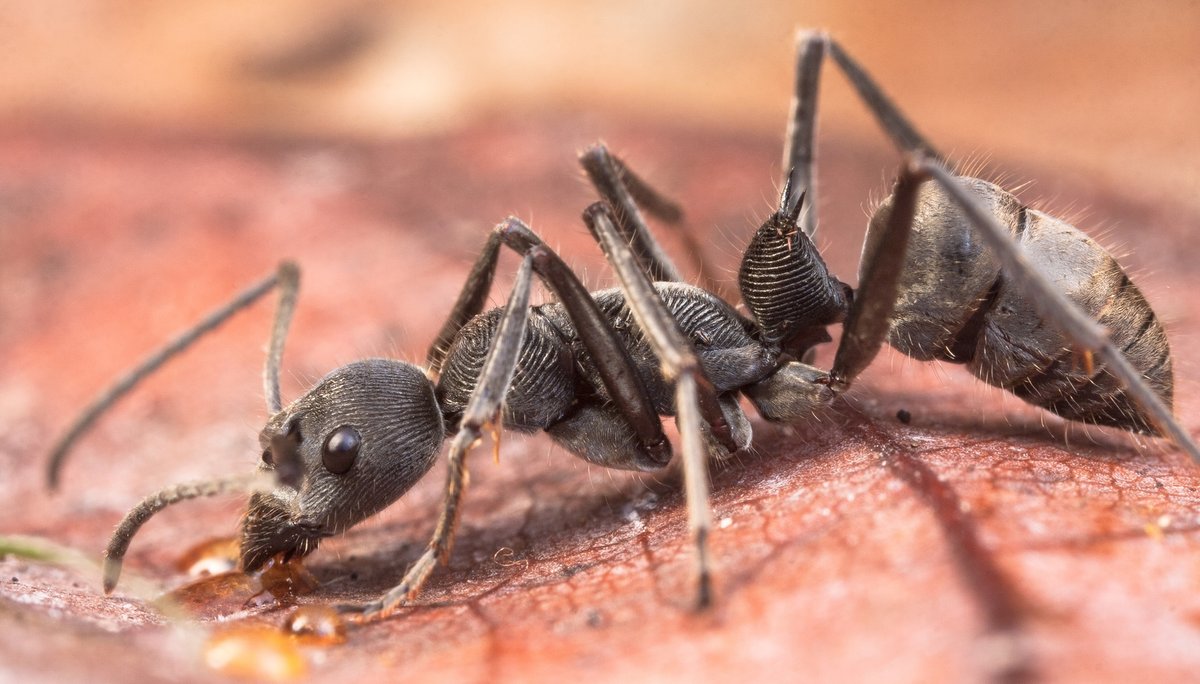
[{"x": 981, "y": 539}]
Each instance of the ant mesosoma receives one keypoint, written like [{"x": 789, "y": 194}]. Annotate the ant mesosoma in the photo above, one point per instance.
[{"x": 953, "y": 268}]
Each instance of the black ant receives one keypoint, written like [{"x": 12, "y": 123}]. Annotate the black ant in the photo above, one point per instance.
[{"x": 953, "y": 268}]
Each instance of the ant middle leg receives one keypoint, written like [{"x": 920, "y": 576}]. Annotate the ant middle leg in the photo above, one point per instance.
[
  {"x": 613, "y": 180},
  {"x": 635, "y": 420},
  {"x": 617, "y": 373},
  {"x": 674, "y": 351},
  {"x": 619, "y": 428},
  {"x": 700, "y": 412},
  {"x": 625, "y": 192}
]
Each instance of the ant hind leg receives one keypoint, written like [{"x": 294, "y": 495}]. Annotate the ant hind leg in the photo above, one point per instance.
[
  {"x": 923, "y": 162},
  {"x": 799, "y": 147}
]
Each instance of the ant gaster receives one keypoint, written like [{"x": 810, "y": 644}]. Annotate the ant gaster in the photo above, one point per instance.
[{"x": 953, "y": 268}]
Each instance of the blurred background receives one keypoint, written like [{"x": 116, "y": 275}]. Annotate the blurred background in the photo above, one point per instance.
[{"x": 1104, "y": 88}]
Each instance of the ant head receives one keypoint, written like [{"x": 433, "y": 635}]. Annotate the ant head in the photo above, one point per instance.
[{"x": 342, "y": 452}]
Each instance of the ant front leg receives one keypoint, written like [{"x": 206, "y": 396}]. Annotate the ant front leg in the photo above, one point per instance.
[
  {"x": 616, "y": 184},
  {"x": 484, "y": 406},
  {"x": 470, "y": 302}
]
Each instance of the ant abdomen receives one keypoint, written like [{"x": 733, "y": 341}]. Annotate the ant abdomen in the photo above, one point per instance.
[{"x": 956, "y": 304}]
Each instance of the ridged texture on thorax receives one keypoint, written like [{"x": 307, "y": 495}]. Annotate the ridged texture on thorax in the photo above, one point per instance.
[
  {"x": 730, "y": 357},
  {"x": 543, "y": 386}
]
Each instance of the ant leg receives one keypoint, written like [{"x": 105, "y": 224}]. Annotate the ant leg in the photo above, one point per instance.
[
  {"x": 620, "y": 186},
  {"x": 869, "y": 320},
  {"x": 616, "y": 369},
  {"x": 799, "y": 147},
  {"x": 625, "y": 191},
  {"x": 696, "y": 401},
  {"x": 895, "y": 124},
  {"x": 1053, "y": 305},
  {"x": 470, "y": 302},
  {"x": 484, "y": 406},
  {"x": 615, "y": 183},
  {"x": 287, "y": 278},
  {"x": 1085, "y": 333},
  {"x": 660, "y": 206},
  {"x": 672, "y": 348}
]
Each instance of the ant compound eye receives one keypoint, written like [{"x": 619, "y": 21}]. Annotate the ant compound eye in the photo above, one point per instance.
[
  {"x": 267, "y": 458},
  {"x": 340, "y": 450}
]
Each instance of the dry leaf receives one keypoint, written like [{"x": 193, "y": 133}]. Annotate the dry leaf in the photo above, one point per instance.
[{"x": 978, "y": 539}]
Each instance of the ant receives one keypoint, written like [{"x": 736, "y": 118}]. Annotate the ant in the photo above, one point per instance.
[{"x": 953, "y": 268}]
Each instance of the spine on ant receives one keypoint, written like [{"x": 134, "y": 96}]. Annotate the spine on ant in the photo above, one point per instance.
[{"x": 957, "y": 305}]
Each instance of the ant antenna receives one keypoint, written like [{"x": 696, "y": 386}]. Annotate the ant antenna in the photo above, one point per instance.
[
  {"x": 114, "y": 555},
  {"x": 287, "y": 278}
]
